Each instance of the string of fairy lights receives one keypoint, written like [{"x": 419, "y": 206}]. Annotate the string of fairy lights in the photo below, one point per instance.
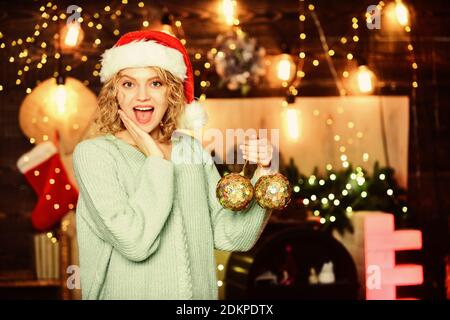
[
  {"x": 329, "y": 53},
  {"x": 357, "y": 178},
  {"x": 359, "y": 175}
]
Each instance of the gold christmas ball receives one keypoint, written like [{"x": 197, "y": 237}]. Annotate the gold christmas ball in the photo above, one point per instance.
[
  {"x": 273, "y": 191},
  {"x": 234, "y": 192}
]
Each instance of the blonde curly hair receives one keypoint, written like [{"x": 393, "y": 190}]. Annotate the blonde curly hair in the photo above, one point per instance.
[{"x": 108, "y": 120}]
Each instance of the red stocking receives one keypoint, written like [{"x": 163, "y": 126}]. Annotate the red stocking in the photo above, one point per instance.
[{"x": 45, "y": 172}]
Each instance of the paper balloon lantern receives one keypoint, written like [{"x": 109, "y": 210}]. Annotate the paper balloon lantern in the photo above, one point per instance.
[{"x": 67, "y": 108}]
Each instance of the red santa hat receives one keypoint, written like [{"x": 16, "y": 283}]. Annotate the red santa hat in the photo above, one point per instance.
[{"x": 151, "y": 48}]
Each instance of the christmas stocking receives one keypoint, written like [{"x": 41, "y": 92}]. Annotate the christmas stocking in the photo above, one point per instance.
[{"x": 43, "y": 169}]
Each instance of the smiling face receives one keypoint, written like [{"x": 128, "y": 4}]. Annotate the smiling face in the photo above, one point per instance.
[{"x": 142, "y": 95}]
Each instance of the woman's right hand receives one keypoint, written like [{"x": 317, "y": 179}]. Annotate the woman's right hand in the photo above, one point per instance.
[{"x": 143, "y": 140}]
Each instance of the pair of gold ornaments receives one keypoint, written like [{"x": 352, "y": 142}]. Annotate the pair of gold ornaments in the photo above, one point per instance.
[{"x": 235, "y": 191}]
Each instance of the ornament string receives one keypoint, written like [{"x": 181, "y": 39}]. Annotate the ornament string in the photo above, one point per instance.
[{"x": 242, "y": 173}]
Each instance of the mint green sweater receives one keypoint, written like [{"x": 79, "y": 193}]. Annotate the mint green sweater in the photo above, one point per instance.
[{"x": 147, "y": 227}]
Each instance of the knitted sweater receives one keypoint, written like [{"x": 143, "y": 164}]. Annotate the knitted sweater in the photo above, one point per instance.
[{"x": 147, "y": 227}]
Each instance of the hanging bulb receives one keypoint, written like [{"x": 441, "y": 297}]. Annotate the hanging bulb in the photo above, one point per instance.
[
  {"x": 285, "y": 66},
  {"x": 228, "y": 10},
  {"x": 363, "y": 80},
  {"x": 401, "y": 13},
  {"x": 72, "y": 35},
  {"x": 397, "y": 15},
  {"x": 366, "y": 79}
]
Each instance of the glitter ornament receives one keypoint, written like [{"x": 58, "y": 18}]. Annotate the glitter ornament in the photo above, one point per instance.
[
  {"x": 235, "y": 191},
  {"x": 273, "y": 191}
]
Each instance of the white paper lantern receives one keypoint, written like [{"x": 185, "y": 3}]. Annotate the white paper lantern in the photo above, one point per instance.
[{"x": 68, "y": 108}]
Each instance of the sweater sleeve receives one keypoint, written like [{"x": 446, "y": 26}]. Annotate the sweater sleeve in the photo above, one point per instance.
[
  {"x": 233, "y": 230},
  {"x": 131, "y": 223}
]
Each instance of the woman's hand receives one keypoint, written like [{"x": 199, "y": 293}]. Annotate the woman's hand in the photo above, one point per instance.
[
  {"x": 143, "y": 140},
  {"x": 258, "y": 151}
]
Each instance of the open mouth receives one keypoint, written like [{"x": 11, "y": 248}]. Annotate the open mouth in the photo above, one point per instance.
[{"x": 143, "y": 114}]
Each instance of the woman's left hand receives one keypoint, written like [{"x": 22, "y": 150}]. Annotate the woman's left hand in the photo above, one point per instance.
[{"x": 258, "y": 151}]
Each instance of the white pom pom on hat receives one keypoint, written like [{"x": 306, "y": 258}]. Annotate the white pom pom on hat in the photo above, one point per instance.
[
  {"x": 193, "y": 116},
  {"x": 151, "y": 48}
]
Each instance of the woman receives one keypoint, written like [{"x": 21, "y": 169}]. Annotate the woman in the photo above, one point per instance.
[{"x": 148, "y": 220}]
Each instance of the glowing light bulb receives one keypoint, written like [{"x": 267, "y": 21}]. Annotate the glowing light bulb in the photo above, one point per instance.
[
  {"x": 72, "y": 35},
  {"x": 228, "y": 9},
  {"x": 365, "y": 80},
  {"x": 284, "y": 68},
  {"x": 401, "y": 13}
]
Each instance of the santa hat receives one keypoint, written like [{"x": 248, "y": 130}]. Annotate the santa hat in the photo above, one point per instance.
[{"x": 150, "y": 48}]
